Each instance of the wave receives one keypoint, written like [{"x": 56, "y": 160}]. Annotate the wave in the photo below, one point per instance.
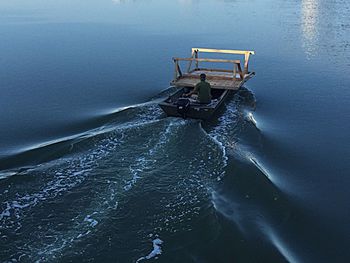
[
  {"x": 120, "y": 118},
  {"x": 285, "y": 250},
  {"x": 108, "y": 171},
  {"x": 249, "y": 193},
  {"x": 108, "y": 162}
]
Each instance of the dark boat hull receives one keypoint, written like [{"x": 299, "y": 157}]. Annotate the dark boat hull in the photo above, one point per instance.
[{"x": 195, "y": 110}]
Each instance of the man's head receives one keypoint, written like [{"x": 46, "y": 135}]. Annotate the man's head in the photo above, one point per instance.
[{"x": 202, "y": 76}]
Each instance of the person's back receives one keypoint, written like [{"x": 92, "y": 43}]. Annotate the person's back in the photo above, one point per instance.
[{"x": 204, "y": 91}]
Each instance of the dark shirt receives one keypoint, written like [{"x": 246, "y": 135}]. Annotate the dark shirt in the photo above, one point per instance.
[{"x": 203, "y": 89}]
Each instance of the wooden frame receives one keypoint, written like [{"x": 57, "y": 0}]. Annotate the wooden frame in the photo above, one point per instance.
[
  {"x": 246, "y": 54},
  {"x": 236, "y": 63},
  {"x": 238, "y": 75}
]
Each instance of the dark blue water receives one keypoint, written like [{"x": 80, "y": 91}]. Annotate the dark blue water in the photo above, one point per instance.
[{"x": 92, "y": 170}]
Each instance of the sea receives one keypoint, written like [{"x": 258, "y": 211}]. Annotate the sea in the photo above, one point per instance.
[{"x": 92, "y": 170}]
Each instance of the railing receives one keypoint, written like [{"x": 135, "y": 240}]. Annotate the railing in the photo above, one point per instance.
[
  {"x": 246, "y": 53},
  {"x": 236, "y": 63},
  {"x": 236, "y": 66}
]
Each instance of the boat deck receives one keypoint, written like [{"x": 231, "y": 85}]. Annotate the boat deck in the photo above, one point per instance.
[{"x": 218, "y": 80}]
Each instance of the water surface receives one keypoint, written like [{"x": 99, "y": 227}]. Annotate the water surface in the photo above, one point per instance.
[{"x": 92, "y": 170}]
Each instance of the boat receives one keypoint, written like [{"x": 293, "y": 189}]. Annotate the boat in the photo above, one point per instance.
[{"x": 223, "y": 82}]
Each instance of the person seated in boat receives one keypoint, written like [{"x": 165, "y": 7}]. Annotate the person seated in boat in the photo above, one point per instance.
[{"x": 201, "y": 92}]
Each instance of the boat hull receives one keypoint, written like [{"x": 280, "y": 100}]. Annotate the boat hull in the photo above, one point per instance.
[{"x": 195, "y": 110}]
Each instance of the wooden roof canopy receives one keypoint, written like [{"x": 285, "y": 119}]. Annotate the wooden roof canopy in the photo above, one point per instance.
[{"x": 219, "y": 78}]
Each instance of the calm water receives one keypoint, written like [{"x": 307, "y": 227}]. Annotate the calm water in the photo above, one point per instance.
[{"x": 92, "y": 170}]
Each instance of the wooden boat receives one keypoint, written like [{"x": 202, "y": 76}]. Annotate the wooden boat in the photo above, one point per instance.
[{"x": 223, "y": 82}]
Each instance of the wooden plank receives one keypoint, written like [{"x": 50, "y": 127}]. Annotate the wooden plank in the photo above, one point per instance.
[
  {"x": 211, "y": 70},
  {"x": 175, "y": 71},
  {"x": 209, "y": 60},
  {"x": 234, "y": 70},
  {"x": 214, "y": 76},
  {"x": 209, "y": 74},
  {"x": 190, "y": 64},
  {"x": 248, "y": 76},
  {"x": 179, "y": 69},
  {"x": 218, "y": 84},
  {"x": 225, "y": 51},
  {"x": 240, "y": 71},
  {"x": 246, "y": 62},
  {"x": 246, "y": 54},
  {"x": 209, "y": 77}
]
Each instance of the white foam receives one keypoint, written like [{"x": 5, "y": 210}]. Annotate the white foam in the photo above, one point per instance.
[
  {"x": 96, "y": 131},
  {"x": 214, "y": 138},
  {"x": 221, "y": 132},
  {"x": 229, "y": 209},
  {"x": 15, "y": 204},
  {"x": 83, "y": 234},
  {"x": 68, "y": 173},
  {"x": 6, "y": 212},
  {"x": 92, "y": 222},
  {"x": 223, "y": 149},
  {"x": 251, "y": 118},
  {"x": 65, "y": 173},
  {"x": 264, "y": 171},
  {"x": 157, "y": 250},
  {"x": 281, "y": 246},
  {"x": 4, "y": 175},
  {"x": 135, "y": 171},
  {"x": 56, "y": 186},
  {"x": 143, "y": 162},
  {"x": 119, "y": 109}
]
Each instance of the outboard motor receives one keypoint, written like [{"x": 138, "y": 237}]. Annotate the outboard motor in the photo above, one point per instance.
[{"x": 183, "y": 105}]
